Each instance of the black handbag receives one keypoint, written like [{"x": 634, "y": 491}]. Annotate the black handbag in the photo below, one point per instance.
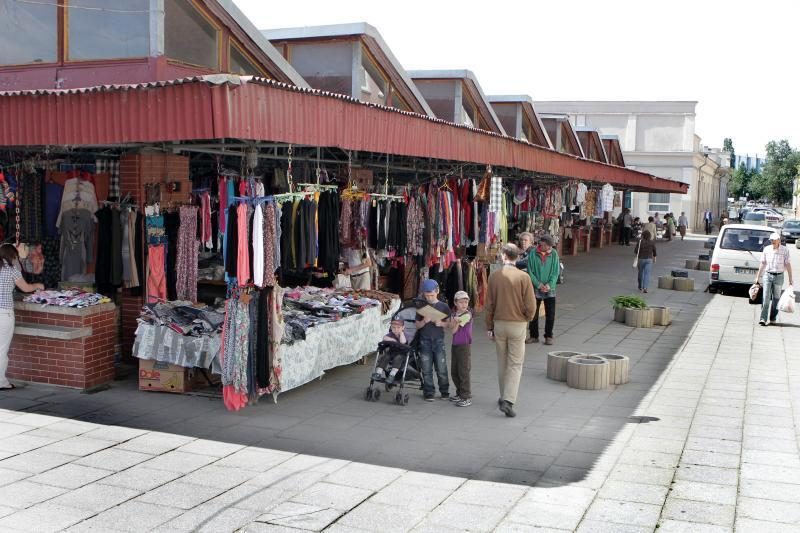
[{"x": 759, "y": 299}]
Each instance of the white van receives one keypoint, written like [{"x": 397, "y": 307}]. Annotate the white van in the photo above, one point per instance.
[{"x": 737, "y": 255}]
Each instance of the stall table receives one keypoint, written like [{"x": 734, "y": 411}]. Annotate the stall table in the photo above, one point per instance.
[{"x": 64, "y": 345}]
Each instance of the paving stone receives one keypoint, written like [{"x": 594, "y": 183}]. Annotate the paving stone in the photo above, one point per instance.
[
  {"x": 704, "y": 492},
  {"x": 79, "y": 446},
  {"x": 631, "y": 513},
  {"x": 114, "y": 459},
  {"x": 255, "y": 459},
  {"x": 213, "y": 520},
  {"x": 180, "y": 494},
  {"x": 708, "y": 474},
  {"x": 155, "y": 443},
  {"x": 371, "y": 516},
  {"x": 70, "y": 476},
  {"x": 677, "y": 526},
  {"x": 10, "y": 476},
  {"x": 329, "y": 495},
  {"x": 141, "y": 478},
  {"x": 772, "y": 510},
  {"x": 23, "y": 442},
  {"x": 748, "y": 525},
  {"x": 767, "y": 473},
  {"x": 23, "y": 494},
  {"x": 114, "y": 433},
  {"x": 770, "y": 490},
  {"x": 410, "y": 497},
  {"x": 499, "y": 495},
  {"x": 96, "y": 497},
  {"x": 648, "y": 458},
  {"x": 300, "y": 516},
  {"x": 633, "y": 492},
  {"x": 133, "y": 516},
  {"x": 176, "y": 461},
  {"x": 464, "y": 517},
  {"x": 541, "y": 514},
  {"x": 35, "y": 461},
  {"x": 719, "y": 460},
  {"x": 769, "y": 444},
  {"x": 595, "y": 526},
  {"x": 701, "y": 512},
  {"x": 364, "y": 476},
  {"x": 714, "y": 445},
  {"x": 36, "y": 420},
  {"x": 217, "y": 476},
  {"x": 771, "y": 458},
  {"x": 642, "y": 474},
  {"x": 210, "y": 447},
  {"x": 43, "y": 517}
]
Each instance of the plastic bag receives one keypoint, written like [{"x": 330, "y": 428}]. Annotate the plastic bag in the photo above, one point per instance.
[
  {"x": 786, "y": 303},
  {"x": 755, "y": 294}
]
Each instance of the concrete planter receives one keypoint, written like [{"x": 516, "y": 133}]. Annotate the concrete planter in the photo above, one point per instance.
[
  {"x": 619, "y": 314},
  {"x": 619, "y": 367},
  {"x": 588, "y": 372},
  {"x": 639, "y": 318},
  {"x": 704, "y": 265},
  {"x": 661, "y": 316},
  {"x": 666, "y": 282},
  {"x": 691, "y": 264},
  {"x": 684, "y": 284},
  {"x": 557, "y": 364}
]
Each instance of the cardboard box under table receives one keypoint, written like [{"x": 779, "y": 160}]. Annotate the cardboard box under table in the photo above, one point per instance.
[{"x": 64, "y": 345}]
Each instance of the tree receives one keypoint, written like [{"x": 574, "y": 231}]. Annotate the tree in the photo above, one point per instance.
[
  {"x": 727, "y": 145},
  {"x": 780, "y": 172},
  {"x": 744, "y": 182}
]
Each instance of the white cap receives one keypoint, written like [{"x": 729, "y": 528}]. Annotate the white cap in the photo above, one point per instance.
[
  {"x": 461, "y": 295},
  {"x": 775, "y": 236}
]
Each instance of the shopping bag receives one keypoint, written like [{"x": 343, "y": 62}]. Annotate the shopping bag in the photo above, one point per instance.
[
  {"x": 786, "y": 303},
  {"x": 755, "y": 294}
]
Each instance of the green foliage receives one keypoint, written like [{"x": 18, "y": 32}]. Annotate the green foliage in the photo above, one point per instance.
[
  {"x": 745, "y": 181},
  {"x": 628, "y": 302},
  {"x": 776, "y": 182},
  {"x": 727, "y": 145}
]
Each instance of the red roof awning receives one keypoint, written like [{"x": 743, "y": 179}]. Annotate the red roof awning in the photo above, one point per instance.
[{"x": 225, "y": 107}]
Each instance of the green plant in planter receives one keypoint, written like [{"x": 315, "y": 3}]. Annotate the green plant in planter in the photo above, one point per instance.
[{"x": 628, "y": 302}]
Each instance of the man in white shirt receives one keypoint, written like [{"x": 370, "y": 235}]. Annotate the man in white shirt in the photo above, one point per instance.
[
  {"x": 774, "y": 262},
  {"x": 683, "y": 223}
]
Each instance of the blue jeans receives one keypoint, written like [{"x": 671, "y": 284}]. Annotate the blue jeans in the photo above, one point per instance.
[
  {"x": 645, "y": 267},
  {"x": 772, "y": 285},
  {"x": 432, "y": 355}
]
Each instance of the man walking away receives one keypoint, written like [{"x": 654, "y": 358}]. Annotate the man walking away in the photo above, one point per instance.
[
  {"x": 627, "y": 225},
  {"x": 510, "y": 304},
  {"x": 683, "y": 223},
  {"x": 774, "y": 261},
  {"x": 544, "y": 267}
]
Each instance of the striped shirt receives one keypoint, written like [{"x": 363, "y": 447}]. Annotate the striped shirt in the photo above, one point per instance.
[
  {"x": 8, "y": 277},
  {"x": 775, "y": 260}
]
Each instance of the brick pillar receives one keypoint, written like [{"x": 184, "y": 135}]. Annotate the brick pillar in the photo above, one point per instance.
[{"x": 137, "y": 169}]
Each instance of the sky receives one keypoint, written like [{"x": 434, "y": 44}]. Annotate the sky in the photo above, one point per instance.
[{"x": 737, "y": 59}]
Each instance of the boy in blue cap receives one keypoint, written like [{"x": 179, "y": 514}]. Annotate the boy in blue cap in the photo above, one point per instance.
[{"x": 431, "y": 343}]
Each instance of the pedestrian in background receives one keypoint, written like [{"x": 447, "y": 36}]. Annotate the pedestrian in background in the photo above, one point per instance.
[
  {"x": 651, "y": 227},
  {"x": 510, "y": 304},
  {"x": 10, "y": 277},
  {"x": 626, "y": 221},
  {"x": 708, "y": 219},
  {"x": 671, "y": 229},
  {"x": 544, "y": 267},
  {"x": 683, "y": 223},
  {"x": 646, "y": 252},
  {"x": 525, "y": 245},
  {"x": 774, "y": 262}
]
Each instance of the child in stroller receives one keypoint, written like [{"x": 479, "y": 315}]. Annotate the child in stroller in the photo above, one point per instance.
[
  {"x": 397, "y": 359},
  {"x": 391, "y": 360}
]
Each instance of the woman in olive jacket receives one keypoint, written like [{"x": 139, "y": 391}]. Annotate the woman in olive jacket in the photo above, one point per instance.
[{"x": 544, "y": 266}]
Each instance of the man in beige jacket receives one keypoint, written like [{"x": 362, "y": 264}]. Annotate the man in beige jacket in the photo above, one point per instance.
[{"x": 510, "y": 306}]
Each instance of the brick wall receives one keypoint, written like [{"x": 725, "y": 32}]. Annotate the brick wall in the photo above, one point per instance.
[
  {"x": 81, "y": 363},
  {"x": 137, "y": 169}
]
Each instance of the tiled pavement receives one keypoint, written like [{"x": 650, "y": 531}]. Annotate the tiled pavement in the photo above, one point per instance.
[{"x": 722, "y": 454}]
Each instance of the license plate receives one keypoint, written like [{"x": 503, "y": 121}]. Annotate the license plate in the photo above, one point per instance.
[{"x": 740, "y": 270}]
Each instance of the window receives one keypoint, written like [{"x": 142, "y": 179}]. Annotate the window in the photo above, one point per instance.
[
  {"x": 397, "y": 101},
  {"x": 189, "y": 36},
  {"x": 240, "y": 63},
  {"x": 373, "y": 84},
  {"x": 468, "y": 114},
  {"x": 746, "y": 240},
  {"x": 101, "y": 29},
  {"x": 658, "y": 201},
  {"x": 28, "y": 33}
]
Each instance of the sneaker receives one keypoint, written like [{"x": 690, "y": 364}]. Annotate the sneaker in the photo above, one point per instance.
[
  {"x": 531, "y": 340},
  {"x": 444, "y": 396},
  {"x": 428, "y": 398},
  {"x": 466, "y": 402},
  {"x": 762, "y": 322},
  {"x": 507, "y": 409},
  {"x": 548, "y": 341},
  {"x": 455, "y": 399},
  {"x": 390, "y": 379}
]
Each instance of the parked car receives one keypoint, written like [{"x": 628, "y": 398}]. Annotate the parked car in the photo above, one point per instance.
[
  {"x": 737, "y": 255},
  {"x": 755, "y": 218},
  {"x": 774, "y": 217},
  {"x": 791, "y": 231}
]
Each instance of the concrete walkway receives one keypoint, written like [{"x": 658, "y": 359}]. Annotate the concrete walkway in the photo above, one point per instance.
[{"x": 722, "y": 454}]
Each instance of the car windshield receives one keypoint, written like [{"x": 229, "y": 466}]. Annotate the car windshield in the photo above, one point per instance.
[
  {"x": 791, "y": 224},
  {"x": 755, "y": 216},
  {"x": 746, "y": 240}
]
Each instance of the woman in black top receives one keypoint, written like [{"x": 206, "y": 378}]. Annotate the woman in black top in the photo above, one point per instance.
[{"x": 646, "y": 250}]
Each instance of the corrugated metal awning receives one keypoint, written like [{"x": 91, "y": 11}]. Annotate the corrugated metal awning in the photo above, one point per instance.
[{"x": 230, "y": 107}]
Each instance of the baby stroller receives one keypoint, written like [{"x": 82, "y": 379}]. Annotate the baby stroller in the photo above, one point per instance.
[{"x": 410, "y": 369}]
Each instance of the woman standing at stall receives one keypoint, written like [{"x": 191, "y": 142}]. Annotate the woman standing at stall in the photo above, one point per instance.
[{"x": 10, "y": 277}]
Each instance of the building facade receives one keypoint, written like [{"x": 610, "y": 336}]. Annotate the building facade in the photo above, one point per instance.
[{"x": 659, "y": 138}]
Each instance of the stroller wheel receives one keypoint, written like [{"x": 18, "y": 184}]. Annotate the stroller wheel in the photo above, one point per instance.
[
  {"x": 405, "y": 399},
  {"x": 376, "y": 395},
  {"x": 368, "y": 394},
  {"x": 398, "y": 399}
]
